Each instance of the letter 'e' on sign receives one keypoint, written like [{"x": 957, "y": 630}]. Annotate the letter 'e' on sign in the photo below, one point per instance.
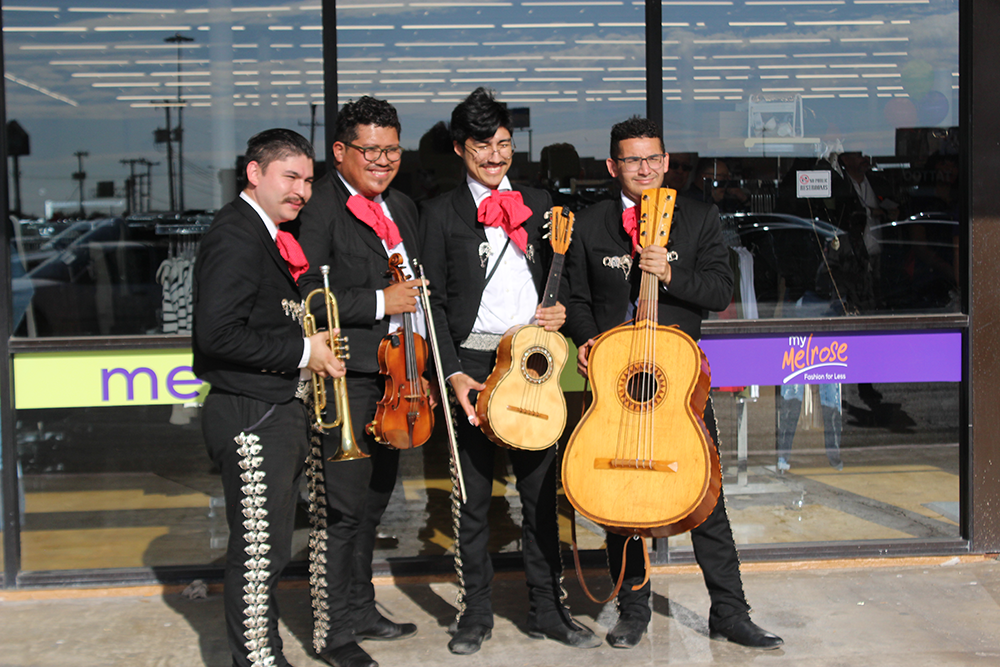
[{"x": 813, "y": 184}]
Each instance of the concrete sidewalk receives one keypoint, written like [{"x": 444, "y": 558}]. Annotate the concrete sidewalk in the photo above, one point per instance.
[{"x": 905, "y": 613}]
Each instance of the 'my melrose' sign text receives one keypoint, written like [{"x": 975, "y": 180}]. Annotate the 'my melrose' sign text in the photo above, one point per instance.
[
  {"x": 828, "y": 358},
  {"x": 91, "y": 379},
  {"x": 814, "y": 363}
]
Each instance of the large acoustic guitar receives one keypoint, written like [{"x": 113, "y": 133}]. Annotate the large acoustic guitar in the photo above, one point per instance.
[
  {"x": 641, "y": 461},
  {"x": 523, "y": 406}
]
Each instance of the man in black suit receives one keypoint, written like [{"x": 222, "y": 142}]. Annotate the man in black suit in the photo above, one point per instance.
[
  {"x": 353, "y": 223},
  {"x": 695, "y": 277},
  {"x": 248, "y": 344},
  {"x": 484, "y": 279}
]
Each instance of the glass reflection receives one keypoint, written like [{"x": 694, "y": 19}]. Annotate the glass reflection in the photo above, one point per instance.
[
  {"x": 93, "y": 499},
  {"x": 127, "y": 124}
]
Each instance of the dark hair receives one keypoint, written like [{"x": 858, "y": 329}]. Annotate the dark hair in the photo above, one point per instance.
[
  {"x": 276, "y": 144},
  {"x": 635, "y": 127},
  {"x": 364, "y": 111},
  {"x": 479, "y": 116}
]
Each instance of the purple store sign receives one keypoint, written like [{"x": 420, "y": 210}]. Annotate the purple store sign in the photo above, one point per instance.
[{"x": 826, "y": 358}]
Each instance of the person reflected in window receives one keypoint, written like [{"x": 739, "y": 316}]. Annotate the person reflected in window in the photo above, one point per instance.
[
  {"x": 678, "y": 176},
  {"x": 789, "y": 406},
  {"x": 864, "y": 205},
  {"x": 713, "y": 182},
  {"x": 603, "y": 270},
  {"x": 354, "y": 222},
  {"x": 248, "y": 343},
  {"x": 487, "y": 262}
]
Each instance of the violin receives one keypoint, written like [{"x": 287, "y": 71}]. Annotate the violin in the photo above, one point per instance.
[{"x": 404, "y": 418}]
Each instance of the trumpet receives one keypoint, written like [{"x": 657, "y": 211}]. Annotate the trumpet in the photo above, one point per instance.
[{"x": 349, "y": 450}]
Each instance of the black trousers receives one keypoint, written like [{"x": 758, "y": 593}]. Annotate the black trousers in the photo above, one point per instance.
[
  {"x": 357, "y": 493},
  {"x": 261, "y": 450},
  {"x": 714, "y": 549},
  {"x": 536, "y": 484}
]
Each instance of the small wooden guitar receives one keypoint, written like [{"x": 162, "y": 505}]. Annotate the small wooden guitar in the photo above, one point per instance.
[
  {"x": 641, "y": 460},
  {"x": 523, "y": 406}
]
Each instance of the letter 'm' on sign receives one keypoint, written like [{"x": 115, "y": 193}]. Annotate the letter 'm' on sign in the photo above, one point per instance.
[{"x": 106, "y": 374}]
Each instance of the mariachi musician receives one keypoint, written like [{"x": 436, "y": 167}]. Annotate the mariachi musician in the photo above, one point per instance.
[
  {"x": 486, "y": 263},
  {"x": 353, "y": 224},
  {"x": 248, "y": 344},
  {"x": 603, "y": 272}
]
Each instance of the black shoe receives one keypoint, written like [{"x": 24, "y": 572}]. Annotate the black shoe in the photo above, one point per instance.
[
  {"x": 468, "y": 640},
  {"x": 745, "y": 632},
  {"x": 628, "y": 631},
  {"x": 569, "y": 633},
  {"x": 386, "y": 630},
  {"x": 348, "y": 655}
]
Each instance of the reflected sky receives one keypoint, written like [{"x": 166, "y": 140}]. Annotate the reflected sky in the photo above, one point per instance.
[{"x": 99, "y": 77}]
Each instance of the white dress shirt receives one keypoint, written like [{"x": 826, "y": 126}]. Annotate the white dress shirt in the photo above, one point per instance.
[{"x": 510, "y": 297}]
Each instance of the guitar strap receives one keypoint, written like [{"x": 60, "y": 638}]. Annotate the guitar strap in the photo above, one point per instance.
[
  {"x": 621, "y": 574},
  {"x": 496, "y": 264}
]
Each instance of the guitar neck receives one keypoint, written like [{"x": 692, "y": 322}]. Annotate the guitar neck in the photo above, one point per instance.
[
  {"x": 552, "y": 284},
  {"x": 646, "y": 311}
]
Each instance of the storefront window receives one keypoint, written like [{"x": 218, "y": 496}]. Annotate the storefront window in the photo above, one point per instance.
[
  {"x": 126, "y": 130},
  {"x": 826, "y": 133},
  {"x": 125, "y": 126}
]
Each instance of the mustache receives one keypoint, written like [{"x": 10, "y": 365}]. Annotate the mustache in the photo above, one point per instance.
[{"x": 295, "y": 199}]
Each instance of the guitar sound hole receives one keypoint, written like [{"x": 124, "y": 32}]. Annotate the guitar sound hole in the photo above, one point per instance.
[
  {"x": 642, "y": 387},
  {"x": 536, "y": 365}
]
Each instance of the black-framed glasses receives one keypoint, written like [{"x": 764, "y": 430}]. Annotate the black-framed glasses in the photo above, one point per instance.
[
  {"x": 374, "y": 153},
  {"x": 632, "y": 163},
  {"x": 505, "y": 149}
]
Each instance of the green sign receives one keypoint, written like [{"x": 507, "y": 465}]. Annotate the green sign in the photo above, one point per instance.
[{"x": 96, "y": 378}]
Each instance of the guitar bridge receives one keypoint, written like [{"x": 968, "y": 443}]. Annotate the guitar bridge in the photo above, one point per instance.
[
  {"x": 529, "y": 413},
  {"x": 635, "y": 464}
]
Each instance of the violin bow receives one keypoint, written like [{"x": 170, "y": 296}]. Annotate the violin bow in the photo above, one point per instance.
[{"x": 442, "y": 385}]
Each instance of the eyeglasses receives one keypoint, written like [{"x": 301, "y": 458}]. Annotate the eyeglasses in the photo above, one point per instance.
[
  {"x": 630, "y": 164},
  {"x": 374, "y": 153},
  {"x": 504, "y": 148}
]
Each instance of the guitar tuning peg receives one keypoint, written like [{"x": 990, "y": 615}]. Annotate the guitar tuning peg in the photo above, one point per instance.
[
  {"x": 547, "y": 215},
  {"x": 546, "y": 235}
]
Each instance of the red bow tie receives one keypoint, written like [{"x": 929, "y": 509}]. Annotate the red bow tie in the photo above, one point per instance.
[
  {"x": 631, "y": 226},
  {"x": 506, "y": 209},
  {"x": 292, "y": 252},
  {"x": 372, "y": 215}
]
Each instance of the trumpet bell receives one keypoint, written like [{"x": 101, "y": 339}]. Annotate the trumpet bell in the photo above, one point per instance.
[{"x": 351, "y": 454}]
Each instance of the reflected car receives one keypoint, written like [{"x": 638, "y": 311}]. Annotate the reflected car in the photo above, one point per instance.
[
  {"x": 102, "y": 282},
  {"x": 918, "y": 266},
  {"x": 790, "y": 275}
]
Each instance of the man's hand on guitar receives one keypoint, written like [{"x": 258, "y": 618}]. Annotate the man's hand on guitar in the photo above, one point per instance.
[
  {"x": 551, "y": 318},
  {"x": 402, "y": 297},
  {"x": 653, "y": 259},
  {"x": 463, "y": 384},
  {"x": 581, "y": 357}
]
